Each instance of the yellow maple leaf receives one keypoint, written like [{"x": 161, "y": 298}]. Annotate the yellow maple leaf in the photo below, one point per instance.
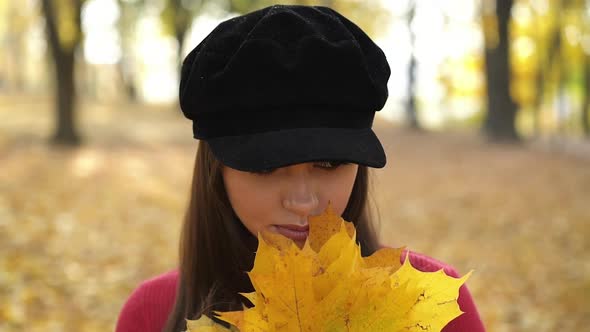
[{"x": 328, "y": 286}]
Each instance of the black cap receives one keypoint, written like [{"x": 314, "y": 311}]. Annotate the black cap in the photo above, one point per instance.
[{"x": 285, "y": 85}]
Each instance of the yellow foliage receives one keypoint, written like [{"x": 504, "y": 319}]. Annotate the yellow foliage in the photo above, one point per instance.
[
  {"x": 328, "y": 286},
  {"x": 524, "y": 91},
  {"x": 490, "y": 31},
  {"x": 68, "y": 23}
]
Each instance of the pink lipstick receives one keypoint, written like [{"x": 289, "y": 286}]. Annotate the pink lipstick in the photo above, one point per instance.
[{"x": 294, "y": 232}]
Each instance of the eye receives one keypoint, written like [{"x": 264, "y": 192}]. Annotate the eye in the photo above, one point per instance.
[
  {"x": 329, "y": 164},
  {"x": 326, "y": 165},
  {"x": 264, "y": 171}
]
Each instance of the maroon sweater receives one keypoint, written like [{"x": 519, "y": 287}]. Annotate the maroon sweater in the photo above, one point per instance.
[{"x": 149, "y": 305}]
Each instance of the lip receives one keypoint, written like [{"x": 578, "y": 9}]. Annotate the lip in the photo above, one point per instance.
[{"x": 294, "y": 232}]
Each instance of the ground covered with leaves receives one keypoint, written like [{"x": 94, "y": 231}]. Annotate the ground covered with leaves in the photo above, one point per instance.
[{"x": 80, "y": 228}]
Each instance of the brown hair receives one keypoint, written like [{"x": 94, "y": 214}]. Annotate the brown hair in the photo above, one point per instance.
[{"x": 216, "y": 249}]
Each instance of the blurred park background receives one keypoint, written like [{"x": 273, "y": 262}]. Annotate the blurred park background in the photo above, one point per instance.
[{"x": 487, "y": 132}]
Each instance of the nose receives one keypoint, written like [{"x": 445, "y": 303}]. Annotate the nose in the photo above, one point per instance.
[{"x": 301, "y": 197}]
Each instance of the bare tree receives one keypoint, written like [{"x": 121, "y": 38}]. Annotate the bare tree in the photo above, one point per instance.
[
  {"x": 586, "y": 103},
  {"x": 64, "y": 34},
  {"x": 411, "y": 111},
  {"x": 499, "y": 124}
]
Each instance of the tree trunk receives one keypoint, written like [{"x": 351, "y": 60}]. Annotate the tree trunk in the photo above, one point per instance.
[
  {"x": 126, "y": 73},
  {"x": 14, "y": 51},
  {"x": 179, "y": 35},
  {"x": 181, "y": 23},
  {"x": 586, "y": 102},
  {"x": 538, "y": 104},
  {"x": 63, "y": 60},
  {"x": 553, "y": 60},
  {"x": 500, "y": 119},
  {"x": 65, "y": 131},
  {"x": 126, "y": 27},
  {"x": 411, "y": 112}
]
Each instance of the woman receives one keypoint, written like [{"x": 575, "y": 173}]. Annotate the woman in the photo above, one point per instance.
[{"x": 282, "y": 100}]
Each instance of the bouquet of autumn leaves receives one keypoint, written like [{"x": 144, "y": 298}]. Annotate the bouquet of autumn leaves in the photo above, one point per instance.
[{"x": 327, "y": 286}]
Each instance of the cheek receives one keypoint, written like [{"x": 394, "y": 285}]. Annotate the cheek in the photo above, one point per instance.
[
  {"x": 338, "y": 190},
  {"x": 249, "y": 200}
]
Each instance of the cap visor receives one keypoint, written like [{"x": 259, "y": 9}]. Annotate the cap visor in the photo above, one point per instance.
[{"x": 276, "y": 149}]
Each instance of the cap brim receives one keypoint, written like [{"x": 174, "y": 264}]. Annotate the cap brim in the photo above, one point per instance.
[{"x": 276, "y": 149}]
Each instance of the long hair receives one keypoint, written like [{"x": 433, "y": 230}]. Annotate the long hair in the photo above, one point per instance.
[{"x": 216, "y": 250}]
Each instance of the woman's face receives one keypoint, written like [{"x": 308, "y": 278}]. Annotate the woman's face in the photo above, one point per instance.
[{"x": 280, "y": 200}]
